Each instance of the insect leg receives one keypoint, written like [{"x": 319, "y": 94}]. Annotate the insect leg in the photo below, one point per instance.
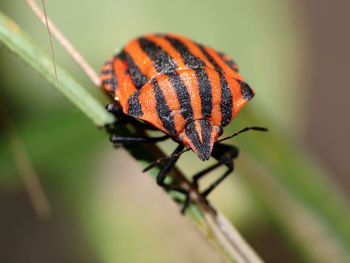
[
  {"x": 165, "y": 171},
  {"x": 217, "y": 182},
  {"x": 117, "y": 139},
  {"x": 204, "y": 172},
  {"x": 225, "y": 154}
]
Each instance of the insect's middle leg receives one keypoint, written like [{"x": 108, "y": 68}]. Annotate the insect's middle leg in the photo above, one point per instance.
[{"x": 225, "y": 154}]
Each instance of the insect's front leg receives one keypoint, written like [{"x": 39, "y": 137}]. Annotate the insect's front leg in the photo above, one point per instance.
[{"x": 164, "y": 172}]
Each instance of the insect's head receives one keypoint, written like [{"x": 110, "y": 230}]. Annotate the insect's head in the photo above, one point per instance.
[{"x": 200, "y": 135}]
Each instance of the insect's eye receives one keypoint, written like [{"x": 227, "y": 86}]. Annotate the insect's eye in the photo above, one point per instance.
[{"x": 219, "y": 130}]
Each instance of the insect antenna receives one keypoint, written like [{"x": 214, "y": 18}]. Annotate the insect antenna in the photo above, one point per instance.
[
  {"x": 243, "y": 130},
  {"x": 151, "y": 165}
]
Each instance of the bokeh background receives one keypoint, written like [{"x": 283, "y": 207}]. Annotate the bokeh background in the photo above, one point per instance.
[{"x": 103, "y": 209}]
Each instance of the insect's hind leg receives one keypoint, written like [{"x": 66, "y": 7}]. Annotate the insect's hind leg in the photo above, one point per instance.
[
  {"x": 224, "y": 154},
  {"x": 165, "y": 171}
]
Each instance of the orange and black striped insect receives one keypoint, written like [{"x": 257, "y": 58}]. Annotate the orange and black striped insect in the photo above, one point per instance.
[{"x": 184, "y": 89}]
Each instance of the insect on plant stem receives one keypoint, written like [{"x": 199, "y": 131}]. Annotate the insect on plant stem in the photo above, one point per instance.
[{"x": 220, "y": 230}]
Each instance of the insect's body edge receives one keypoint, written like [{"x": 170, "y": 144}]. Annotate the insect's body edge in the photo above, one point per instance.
[{"x": 169, "y": 81}]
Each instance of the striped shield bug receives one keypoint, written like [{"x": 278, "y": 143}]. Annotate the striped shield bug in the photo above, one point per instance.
[
  {"x": 186, "y": 90},
  {"x": 170, "y": 83}
]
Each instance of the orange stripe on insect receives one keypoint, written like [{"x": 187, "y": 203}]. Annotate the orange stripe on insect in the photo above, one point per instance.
[
  {"x": 238, "y": 101},
  {"x": 148, "y": 105},
  {"x": 126, "y": 87},
  {"x": 194, "y": 49},
  {"x": 230, "y": 72},
  {"x": 168, "y": 48},
  {"x": 198, "y": 128},
  {"x": 106, "y": 67},
  {"x": 141, "y": 59},
  {"x": 108, "y": 76}
]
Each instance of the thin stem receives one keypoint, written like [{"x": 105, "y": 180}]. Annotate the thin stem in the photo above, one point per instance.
[
  {"x": 88, "y": 70},
  {"x": 234, "y": 238}
]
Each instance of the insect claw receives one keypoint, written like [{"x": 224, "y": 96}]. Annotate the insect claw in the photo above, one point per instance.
[{"x": 149, "y": 167}]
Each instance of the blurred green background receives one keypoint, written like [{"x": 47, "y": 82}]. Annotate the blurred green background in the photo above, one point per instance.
[{"x": 293, "y": 53}]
